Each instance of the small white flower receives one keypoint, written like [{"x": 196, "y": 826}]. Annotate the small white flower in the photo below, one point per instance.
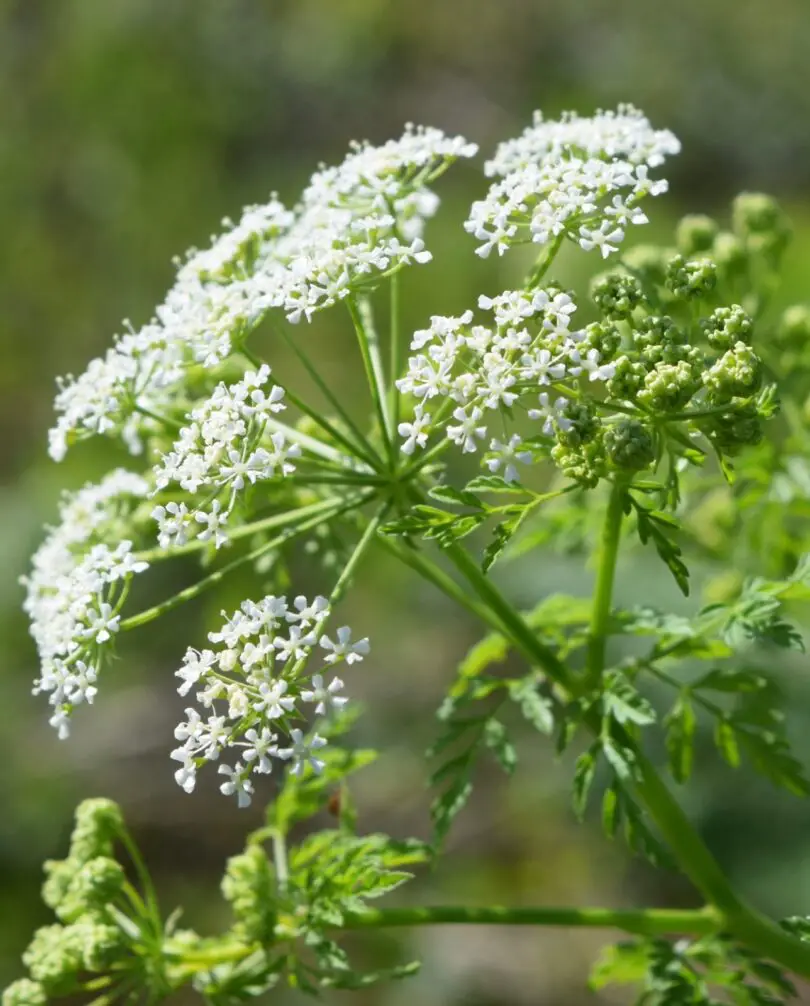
[
  {"x": 468, "y": 430},
  {"x": 326, "y": 696},
  {"x": 306, "y": 613},
  {"x": 173, "y": 521},
  {"x": 551, "y": 414},
  {"x": 505, "y": 456},
  {"x": 414, "y": 431},
  {"x": 343, "y": 648},
  {"x": 213, "y": 521},
  {"x": 101, "y": 624},
  {"x": 296, "y": 646},
  {"x": 274, "y": 701},
  {"x": 590, "y": 364},
  {"x": 260, "y": 746},
  {"x": 301, "y": 752},
  {"x": 606, "y": 238},
  {"x": 237, "y": 784},
  {"x": 196, "y": 663},
  {"x": 186, "y": 775}
]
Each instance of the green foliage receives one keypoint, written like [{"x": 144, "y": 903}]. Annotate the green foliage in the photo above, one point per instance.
[
  {"x": 705, "y": 972},
  {"x": 446, "y": 527}
]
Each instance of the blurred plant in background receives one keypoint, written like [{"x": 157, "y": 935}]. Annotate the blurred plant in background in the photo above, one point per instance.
[{"x": 131, "y": 129}]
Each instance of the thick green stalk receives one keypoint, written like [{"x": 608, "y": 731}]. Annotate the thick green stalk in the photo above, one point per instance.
[
  {"x": 643, "y": 922},
  {"x": 697, "y": 862},
  {"x": 639, "y": 922},
  {"x": 603, "y": 591}
]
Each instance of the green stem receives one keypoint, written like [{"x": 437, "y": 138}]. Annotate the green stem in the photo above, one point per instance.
[
  {"x": 280, "y": 861},
  {"x": 348, "y": 571},
  {"x": 395, "y": 362},
  {"x": 603, "y": 592},
  {"x": 209, "y": 581},
  {"x": 430, "y": 571},
  {"x": 163, "y": 420},
  {"x": 511, "y": 621},
  {"x": 369, "y": 351},
  {"x": 643, "y": 922},
  {"x": 544, "y": 260},
  {"x": 265, "y": 524},
  {"x": 639, "y": 922},
  {"x": 365, "y": 448},
  {"x": 745, "y": 922},
  {"x": 313, "y": 445}
]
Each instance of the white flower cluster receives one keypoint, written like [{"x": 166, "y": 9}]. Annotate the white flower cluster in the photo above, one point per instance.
[
  {"x": 76, "y": 588},
  {"x": 578, "y": 178},
  {"x": 468, "y": 370},
  {"x": 226, "y": 446},
  {"x": 355, "y": 222},
  {"x": 211, "y": 306},
  {"x": 249, "y": 687}
]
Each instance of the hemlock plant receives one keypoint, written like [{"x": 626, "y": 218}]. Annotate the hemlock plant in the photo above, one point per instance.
[{"x": 651, "y": 399}]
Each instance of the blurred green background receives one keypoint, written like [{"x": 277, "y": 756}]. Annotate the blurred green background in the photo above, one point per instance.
[{"x": 130, "y": 128}]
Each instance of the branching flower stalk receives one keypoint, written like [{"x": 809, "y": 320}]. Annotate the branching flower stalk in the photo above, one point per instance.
[{"x": 632, "y": 400}]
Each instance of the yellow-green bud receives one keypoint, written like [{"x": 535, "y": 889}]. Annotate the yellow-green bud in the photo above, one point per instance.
[
  {"x": 695, "y": 233},
  {"x": 629, "y": 445},
  {"x": 98, "y": 823},
  {"x": 24, "y": 992}
]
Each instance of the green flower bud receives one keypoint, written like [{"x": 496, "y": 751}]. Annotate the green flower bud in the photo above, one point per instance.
[
  {"x": 59, "y": 874},
  {"x": 102, "y": 945},
  {"x": 658, "y": 339},
  {"x": 727, "y": 326},
  {"x": 603, "y": 338},
  {"x": 756, "y": 213},
  {"x": 760, "y": 221},
  {"x": 582, "y": 424},
  {"x": 668, "y": 387},
  {"x": 793, "y": 329},
  {"x": 692, "y": 278},
  {"x": 628, "y": 378},
  {"x": 737, "y": 374},
  {"x": 629, "y": 445},
  {"x": 248, "y": 886},
  {"x": 98, "y": 823},
  {"x": 616, "y": 294},
  {"x": 54, "y": 958},
  {"x": 731, "y": 431},
  {"x": 24, "y": 992},
  {"x": 585, "y": 463},
  {"x": 695, "y": 233},
  {"x": 94, "y": 886},
  {"x": 729, "y": 253}
]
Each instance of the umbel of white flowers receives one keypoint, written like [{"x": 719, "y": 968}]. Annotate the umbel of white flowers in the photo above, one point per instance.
[
  {"x": 249, "y": 686},
  {"x": 185, "y": 392}
]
